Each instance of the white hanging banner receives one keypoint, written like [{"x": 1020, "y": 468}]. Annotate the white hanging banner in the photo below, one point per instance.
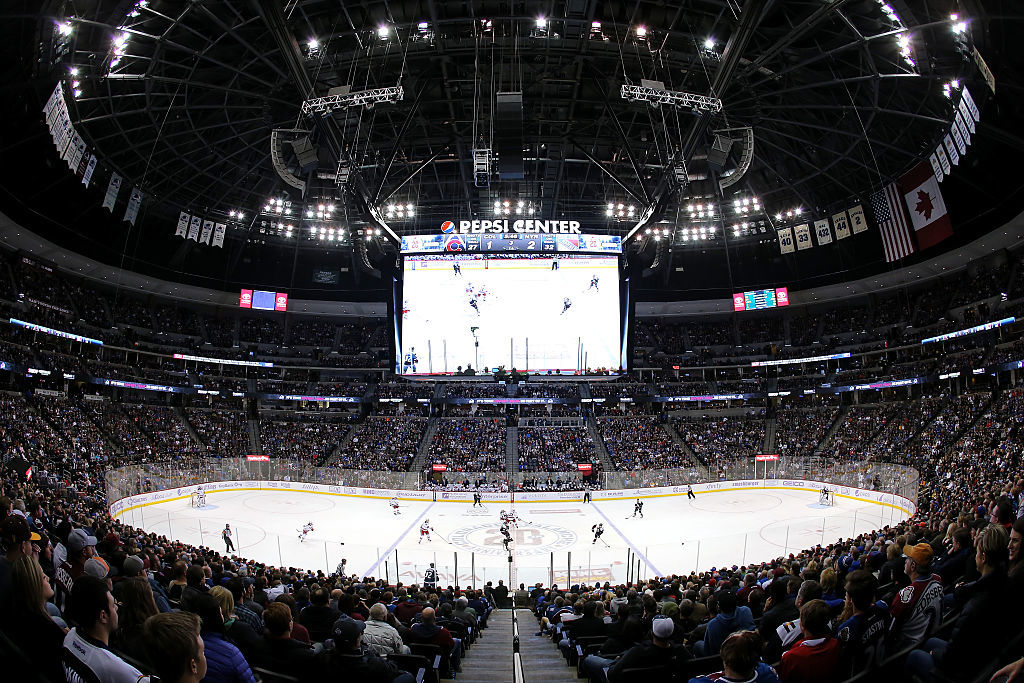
[
  {"x": 182, "y": 229},
  {"x": 218, "y": 235},
  {"x": 803, "y": 236},
  {"x": 76, "y": 151},
  {"x": 90, "y": 168},
  {"x": 940, "y": 152},
  {"x": 113, "y": 187},
  {"x": 962, "y": 127},
  {"x": 954, "y": 156},
  {"x": 48, "y": 108},
  {"x": 822, "y": 231},
  {"x": 193, "y": 230},
  {"x": 965, "y": 112},
  {"x": 842, "y": 225},
  {"x": 134, "y": 202},
  {"x": 961, "y": 146},
  {"x": 786, "y": 241},
  {"x": 936, "y": 166},
  {"x": 975, "y": 114},
  {"x": 857, "y": 221},
  {"x": 204, "y": 236}
]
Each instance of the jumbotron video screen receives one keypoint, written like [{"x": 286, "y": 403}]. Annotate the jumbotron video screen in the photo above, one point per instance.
[{"x": 536, "y": 313}]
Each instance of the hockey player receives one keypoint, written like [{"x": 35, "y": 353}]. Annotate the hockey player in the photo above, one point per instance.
[
  {"x": 430, "y": 578},
  {"x": 507, "y": 535},
  {"x": 593, "y": 284},
  {"x": 690, "y": 495},
  {"x": 638, "y": 508},
  {"x": 598, "y": 530},
  {"x": 472, "y": 302},
  {"x": 410, "y": 360},
  {"x": 457, "y": 268},
  {"x": 394, "y": 506},
  {"x": 425, "y": 530},
  {"x": 566, "y": 305},
  {"x": 305, "y": 531},
  {"x": 478, "y": 499}
]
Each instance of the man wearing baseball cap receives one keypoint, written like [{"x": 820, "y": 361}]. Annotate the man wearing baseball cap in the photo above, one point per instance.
[
  {"x": 81, "y": 547},
  {"x": 349, "y": 662},
  {"x": 659, "y": 651},
  {"x": 17, "y": 538},
  {"x": 917, "y": 609}
]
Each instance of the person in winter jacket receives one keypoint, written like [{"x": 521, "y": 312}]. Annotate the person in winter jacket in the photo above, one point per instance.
[
  {"x": 730, "y": 618},
  {"x": 380, "y": 636}
]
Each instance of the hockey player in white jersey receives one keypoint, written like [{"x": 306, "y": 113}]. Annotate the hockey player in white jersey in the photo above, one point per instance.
[
  {"x": 305, "y": 531},
  {"x": 394, "y": 506},
  {"x": 425, "y": 530}
]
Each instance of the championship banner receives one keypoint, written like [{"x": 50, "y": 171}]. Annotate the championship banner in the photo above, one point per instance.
[
  {"x": 986, "y": 73},
  {"x": 113, "y": 187},
  {"x": 857, "y": 220},
  {"x": 803, "y": 237},
  {"x": 936, "y": 166},
  {"x": 841, "y": 224},
  {"x": 965, "y": 112},
  {"x": 940, "y": 151},
  {"x": 954, "y": 156},
  {"x": 134, "y": 202},
  {"x": 786, "y": 241},
  {"x": 193, "y": 230},
  {"x": 822, "y": 231},
  {"x": 962, "y": 127},
  {"x": 82, "y": 163},
  {"x": 961, "y": 146},
  {"x": 77, "y": 151},
  {"x": 204, "y": 236},
  {"x": 90, "y": 168},
  {"x": 58, "y": 92},
  {"x": 182, "y": 229},
  {"x": 971, "y": 106},
  {"x": 218, "y": 235}
]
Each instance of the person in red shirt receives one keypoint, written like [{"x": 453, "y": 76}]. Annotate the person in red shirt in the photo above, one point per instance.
[{"x": 815, "y": 658}]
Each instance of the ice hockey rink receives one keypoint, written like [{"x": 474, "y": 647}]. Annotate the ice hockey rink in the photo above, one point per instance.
[{"x": 675, "y": 535}]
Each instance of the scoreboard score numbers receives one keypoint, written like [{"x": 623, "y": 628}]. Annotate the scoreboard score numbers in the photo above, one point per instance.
[{"x": 759, "y": 299}]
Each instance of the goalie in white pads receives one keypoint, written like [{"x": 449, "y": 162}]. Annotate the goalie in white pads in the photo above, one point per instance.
[
  {"x": 305, "y": 531},
  {"x": 827, "y": 497},
  {"x": 199, "y": 498},
  {"x": 425, "y": 530}
]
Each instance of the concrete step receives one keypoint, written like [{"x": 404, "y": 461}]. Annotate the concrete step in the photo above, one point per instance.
[{"x": 542, "y": 660}]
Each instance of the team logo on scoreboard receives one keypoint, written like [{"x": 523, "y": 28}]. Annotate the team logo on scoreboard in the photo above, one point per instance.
[
  {"x": 530, "y": 539},
  {"x": 454, "y": 244},
  {"x": 448, "y": 227}
]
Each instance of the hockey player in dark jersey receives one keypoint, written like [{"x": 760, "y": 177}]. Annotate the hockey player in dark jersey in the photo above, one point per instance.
[{"x": 566, "y": 304}]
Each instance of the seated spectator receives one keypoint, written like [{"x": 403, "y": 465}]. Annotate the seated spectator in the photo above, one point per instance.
[
  {"x": 195, "y": 586},
  {"x": 815, "y": 658},
  {"x": 779, "y": 608},
  {"x": 990, "y": 617},
  {"x": 406, "y": 609},
  {"x": 246, "y": 610},
  {"x": 174, "y": 648},
  {"x": 917, "y": 609},
  {"x": 87, "y": 655},
  {"x": 587, "y": 626},
  {"x": 240, "y": 633},
  {"x": 348, "y": 661},
  {"x": 26, "y": 622},
  {"x": 135, "y": 606},
  {"x": 741, "y": 661},
  {"x": 659, "y": 651},
  {"x": 730, "y": 619},
  {"x": 863, "y": 625},
  {"x": 789, "y": 632},
  {"x": 281, "y": 653},
  {"x": 224, "y": 661},
  {"x": 954, "y": 564},
  {"x": 318, "y": 618},
  {"x": 427, "y": 631},
  {"x": 380, "y": 636}
]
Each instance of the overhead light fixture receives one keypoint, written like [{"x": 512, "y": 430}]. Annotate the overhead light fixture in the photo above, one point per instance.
[
  {"x": 313, "y": 44},
  {"x": 382, "y": 32},
  {"x": 542, "y": 22},
  {"x": 641, "y": 31},
  {"x": 709, "y": 44}
]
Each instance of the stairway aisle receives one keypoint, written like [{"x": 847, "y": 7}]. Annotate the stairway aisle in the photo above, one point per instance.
[
  {"x": 541, "y": 658},
  {"x": 490, "y": 658}
]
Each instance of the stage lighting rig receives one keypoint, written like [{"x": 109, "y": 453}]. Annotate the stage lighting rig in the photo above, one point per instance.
[
  {"x": 342, "y": 98},
  {"x": 655, "y": 93}
]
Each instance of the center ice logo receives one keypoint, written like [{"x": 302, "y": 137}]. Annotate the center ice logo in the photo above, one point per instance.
[
  {"x": 448, "y": 227},
  {"x": 534, "y": 539}
]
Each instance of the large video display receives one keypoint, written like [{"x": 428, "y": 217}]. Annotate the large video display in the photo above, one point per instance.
[{"x": 531, "y": 312}]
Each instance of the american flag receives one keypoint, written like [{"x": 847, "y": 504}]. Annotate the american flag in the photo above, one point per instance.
[{"x": 887, "y": 205}]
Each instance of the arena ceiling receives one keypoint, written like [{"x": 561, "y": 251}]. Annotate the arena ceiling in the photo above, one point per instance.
[{"x": 823, "y": 102}]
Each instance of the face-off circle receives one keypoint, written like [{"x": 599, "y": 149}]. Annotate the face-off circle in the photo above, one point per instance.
[{"x": 531, "y": 539}]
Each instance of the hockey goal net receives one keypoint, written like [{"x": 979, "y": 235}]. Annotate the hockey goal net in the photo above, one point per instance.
[
  {"x": 826, "y": 498},
  {"x": 197, "y": 499}
]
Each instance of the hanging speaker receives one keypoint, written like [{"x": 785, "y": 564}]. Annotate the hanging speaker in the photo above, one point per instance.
[
  {"x": 306, "y": 153},
  {"x": 719, "y": 152},
  {"x": 508, "y": 135}
]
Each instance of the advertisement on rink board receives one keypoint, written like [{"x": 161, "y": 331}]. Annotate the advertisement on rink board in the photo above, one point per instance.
[{"x": 867, "y": 495}]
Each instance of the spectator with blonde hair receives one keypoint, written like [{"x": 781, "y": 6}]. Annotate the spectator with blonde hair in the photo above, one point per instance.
[{"x": 26, "y": 621}]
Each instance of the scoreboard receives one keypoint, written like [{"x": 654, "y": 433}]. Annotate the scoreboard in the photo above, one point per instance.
[
  {"x": 511, "y": 242},
  {"x": 759, "y": 299}
]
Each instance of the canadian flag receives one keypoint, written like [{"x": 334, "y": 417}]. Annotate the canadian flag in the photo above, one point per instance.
[{"x": 927, "y": 211}]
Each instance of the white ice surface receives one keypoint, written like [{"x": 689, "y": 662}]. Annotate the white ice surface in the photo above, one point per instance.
[{"x": 676, "y": 535}]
